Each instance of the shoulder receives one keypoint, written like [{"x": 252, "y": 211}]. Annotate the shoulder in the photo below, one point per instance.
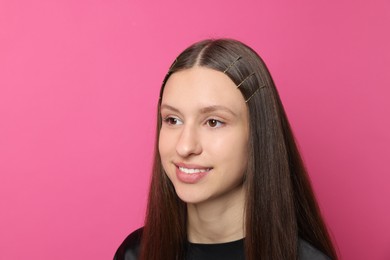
[
  {"x": 129, "y": 249},
  {"x": 309, "y": 252}
]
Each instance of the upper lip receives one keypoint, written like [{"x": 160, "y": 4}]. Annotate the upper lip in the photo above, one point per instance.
[{"x": 191, "y": 166}]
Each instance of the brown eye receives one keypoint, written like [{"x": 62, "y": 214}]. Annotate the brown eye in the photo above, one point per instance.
[
  {"x": 214, "y": 123},
  {"x": 172, "y": 121}
]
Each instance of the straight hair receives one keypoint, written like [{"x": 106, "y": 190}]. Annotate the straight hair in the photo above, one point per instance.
[{"x": 280, "y": 203}]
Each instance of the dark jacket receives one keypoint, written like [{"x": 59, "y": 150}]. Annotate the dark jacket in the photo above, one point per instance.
[{"x": 129, "y": 249}]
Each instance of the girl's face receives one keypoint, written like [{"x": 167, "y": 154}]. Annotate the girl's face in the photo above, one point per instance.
[{"x": 203, "y": 140}]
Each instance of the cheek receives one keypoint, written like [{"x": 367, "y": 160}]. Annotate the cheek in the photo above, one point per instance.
[
  {"x": 161, "y": 145},
  {"x": 230, "y": 146},
  {"x": 165, "y": 145},
  {"x": 232, "y": 153},
  {"x": 162, "y": 149}
]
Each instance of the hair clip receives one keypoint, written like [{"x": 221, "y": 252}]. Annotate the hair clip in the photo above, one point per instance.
[
  {"x": 245, "y": 79},
  {"x": 262, "y": 86},
  {"x": 231, "y": 64}
]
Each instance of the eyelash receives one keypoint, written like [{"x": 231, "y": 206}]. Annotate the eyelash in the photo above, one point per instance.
[
  {"x": 168, "y": 120},
  {"x": 216, "y": 121}
]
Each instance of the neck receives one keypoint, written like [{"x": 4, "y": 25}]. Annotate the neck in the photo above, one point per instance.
[{"x": 219, "y": 220}]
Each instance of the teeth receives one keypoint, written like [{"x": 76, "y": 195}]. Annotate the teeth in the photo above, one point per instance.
[{"x": 191, "y": 171}]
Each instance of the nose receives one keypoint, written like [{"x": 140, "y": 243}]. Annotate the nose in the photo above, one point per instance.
[{"x": 189, "y": 142}]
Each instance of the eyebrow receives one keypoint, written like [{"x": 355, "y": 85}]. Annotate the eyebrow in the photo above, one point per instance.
[{"x": 203, "y": 110}]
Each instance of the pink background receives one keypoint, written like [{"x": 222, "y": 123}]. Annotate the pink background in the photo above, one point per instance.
[{"x": 79, "y": 83}]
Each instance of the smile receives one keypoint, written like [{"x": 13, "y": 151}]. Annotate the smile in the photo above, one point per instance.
[
  {"x": 192, "y": 171},
  {"x": 191, "y": 174}
]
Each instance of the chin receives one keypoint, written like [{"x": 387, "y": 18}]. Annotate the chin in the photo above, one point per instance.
[{"x": 190, "y": 197}]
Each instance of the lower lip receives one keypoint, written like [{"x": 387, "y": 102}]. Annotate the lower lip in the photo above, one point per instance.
[{"x": 190, "y": 178}]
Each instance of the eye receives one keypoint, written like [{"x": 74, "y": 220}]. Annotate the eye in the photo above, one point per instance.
[
  {"x": 214, "y": 123},
  {"x": 170, "y": 120}
]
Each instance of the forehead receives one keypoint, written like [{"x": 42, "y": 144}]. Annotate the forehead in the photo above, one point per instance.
[{"x": 200, "y": 86}]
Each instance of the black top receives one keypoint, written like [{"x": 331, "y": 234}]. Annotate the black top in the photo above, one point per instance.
[
  {"x": 225, "y": 251},
  {"x": 234, "y": 250}
]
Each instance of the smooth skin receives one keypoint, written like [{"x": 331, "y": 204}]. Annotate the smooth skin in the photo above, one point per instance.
[{"x": 206, "y": 129}]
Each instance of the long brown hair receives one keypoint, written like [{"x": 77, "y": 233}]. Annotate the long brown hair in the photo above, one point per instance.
[{"x": 280, "y": 203}]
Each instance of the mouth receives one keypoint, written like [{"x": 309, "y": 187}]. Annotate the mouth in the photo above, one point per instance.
[
  {"x": 191, "y": 173},
  {"x": 193, "y": 170}
]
